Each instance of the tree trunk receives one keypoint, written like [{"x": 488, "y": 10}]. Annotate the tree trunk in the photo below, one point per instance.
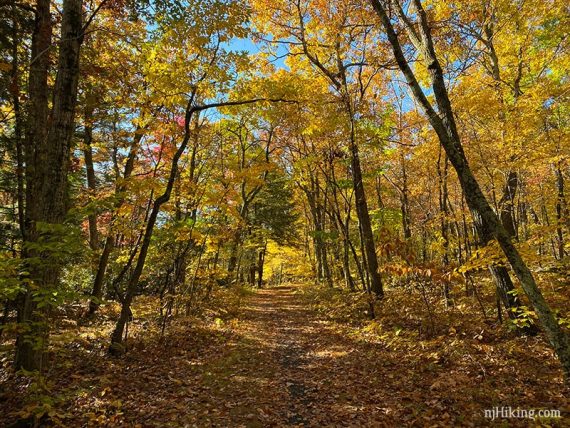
[
  {"x": 444, "y": 225},
  {"x": 260, "y": 263},
  {"x": 18, "y": 122},
  {"x": 404, "y": 203},
  {"x": 232, "y": 262},
  {"x": 561, "y": 212},
  {"x": 507, "y": 204},
  {"x": 504, "y": 284},
  {"x": 90, "y": 170},
  {"x": 319, "y": 244},
  {"x": 97, "y": 291},
  {"x": 36, "y": 132},
  {"x": 365, "y": 224},
  {"x": 47, "y": 160}
]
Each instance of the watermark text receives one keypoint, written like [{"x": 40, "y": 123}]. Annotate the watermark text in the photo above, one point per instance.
[{"x": 508, "y": 412}]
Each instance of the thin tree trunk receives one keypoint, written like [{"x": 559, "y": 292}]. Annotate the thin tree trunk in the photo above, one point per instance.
[
  {"x": 18, "y": 122},
  {"x": 260, "y": 263},
  {"x": 90, "y": 170},
  {"x": 97, "y": 291},
  {"x": 120, "y": 195},
  {"x": 444, "y": 226},
  {"x": 404, "y": 203},
  {"x": 560, "y": 210}
]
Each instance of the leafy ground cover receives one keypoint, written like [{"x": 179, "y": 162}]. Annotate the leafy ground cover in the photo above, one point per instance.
[{"x": 276, "y": 358}]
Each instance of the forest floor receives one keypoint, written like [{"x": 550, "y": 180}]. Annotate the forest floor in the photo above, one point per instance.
[{"x": 281, "y": 363}]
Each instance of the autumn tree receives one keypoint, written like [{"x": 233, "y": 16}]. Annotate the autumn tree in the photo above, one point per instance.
[{"x": 443, "y": 122}]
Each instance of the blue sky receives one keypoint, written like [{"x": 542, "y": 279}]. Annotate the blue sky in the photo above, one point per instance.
[
  {"x": 244, "y": 45},
  {"x": 253, "y": 48}
]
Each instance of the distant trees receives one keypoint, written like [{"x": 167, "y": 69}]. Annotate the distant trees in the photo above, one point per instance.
[{"x": 336, "y": 48}]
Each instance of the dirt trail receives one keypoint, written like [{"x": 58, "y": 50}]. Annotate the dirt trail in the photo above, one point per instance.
[{"x": 289, "y": 368}]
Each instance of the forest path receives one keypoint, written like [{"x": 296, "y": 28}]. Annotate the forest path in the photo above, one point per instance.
[{"x": 287, "y": 367}]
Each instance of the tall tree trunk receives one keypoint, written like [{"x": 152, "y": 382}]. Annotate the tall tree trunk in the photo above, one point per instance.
[
  {"x": 444, "y": 225},
  {"x": 338, "y": 79},
  {"x": 47, "y": 161},
  {"x": 90, "y": 170},
  {"x": 504, "y": 285},
  {"x": 18, "y": 119}
]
